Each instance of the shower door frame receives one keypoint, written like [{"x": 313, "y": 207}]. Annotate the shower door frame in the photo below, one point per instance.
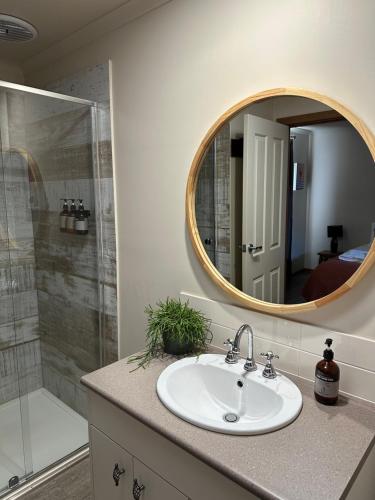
[
  {"x": 46, "y": 93},
  {"x": 31, "y": 479}
]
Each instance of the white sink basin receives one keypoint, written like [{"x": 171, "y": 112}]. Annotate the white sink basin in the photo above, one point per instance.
[{"x": 207, "y": 392}]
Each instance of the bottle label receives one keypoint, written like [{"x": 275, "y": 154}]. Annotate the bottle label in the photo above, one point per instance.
[
  {"x": 81, "y": 225},
  {"x": 62, "y": 221},
  {"x": 326, "y": 386},
  {"x": 70, "y": 222}
]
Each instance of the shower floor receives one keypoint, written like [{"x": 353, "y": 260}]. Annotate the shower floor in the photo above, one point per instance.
[{"x": 55, "y": 431}]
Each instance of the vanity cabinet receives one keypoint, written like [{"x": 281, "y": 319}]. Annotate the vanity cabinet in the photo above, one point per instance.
[
  {"x": 117, "y": 475},
  {"x": 131, "y": 431},
  {"x": 166, "y": 471}
]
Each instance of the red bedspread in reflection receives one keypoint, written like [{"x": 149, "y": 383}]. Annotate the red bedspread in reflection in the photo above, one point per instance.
[{"x": 327, "y": 277}]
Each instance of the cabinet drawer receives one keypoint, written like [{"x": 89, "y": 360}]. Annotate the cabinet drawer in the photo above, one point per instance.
[
  {"x": 105, "y": 454},
  {"x": 155, "y": 488}
]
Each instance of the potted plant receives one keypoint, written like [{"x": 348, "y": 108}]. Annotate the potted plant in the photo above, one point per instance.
[{"x": 174, "y": 328}]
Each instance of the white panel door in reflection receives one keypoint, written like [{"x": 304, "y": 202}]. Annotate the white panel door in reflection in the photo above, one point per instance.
[{"x": 264, "y": 208}]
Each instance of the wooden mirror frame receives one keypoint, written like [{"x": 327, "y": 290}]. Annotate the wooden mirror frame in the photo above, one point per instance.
[{"x": 236, "y": 294}]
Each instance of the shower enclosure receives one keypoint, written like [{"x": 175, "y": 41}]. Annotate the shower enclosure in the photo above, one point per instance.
[
  {"x": 213, "y": 200},
  {"x": 51, "y": 306}
]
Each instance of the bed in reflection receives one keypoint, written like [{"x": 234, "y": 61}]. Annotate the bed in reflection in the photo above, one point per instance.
[{"x": 332, "y": 273}]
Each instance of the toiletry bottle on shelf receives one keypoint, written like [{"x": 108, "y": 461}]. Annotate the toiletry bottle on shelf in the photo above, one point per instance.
[
  {"x": 327, "y": 376},
  {"x": 81, "y": 220},
  {"x": 70, "y": 220},
  {"x": 63, "y": 215}
]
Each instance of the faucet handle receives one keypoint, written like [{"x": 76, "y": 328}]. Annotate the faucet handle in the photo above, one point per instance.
[
  {"x": 269, "y": 355},
  {"x": 232, "y": 354},
  {"x": 229, "y": 342},
  {"x": 269, "y": 370}
]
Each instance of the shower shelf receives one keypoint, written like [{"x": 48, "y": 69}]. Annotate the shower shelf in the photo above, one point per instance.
[{"x": 14, "y": 343}]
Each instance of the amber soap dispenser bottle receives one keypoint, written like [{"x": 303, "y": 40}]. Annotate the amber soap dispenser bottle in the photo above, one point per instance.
[{"x": 327, "y": 377}]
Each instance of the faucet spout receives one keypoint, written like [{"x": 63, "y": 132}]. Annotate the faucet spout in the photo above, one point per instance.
[{"x": 234, "y": 353}]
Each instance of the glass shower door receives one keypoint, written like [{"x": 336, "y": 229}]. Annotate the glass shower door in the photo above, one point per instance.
[
  {"x": 13, "y": 401},
  {"x": 51, "y": 327}
]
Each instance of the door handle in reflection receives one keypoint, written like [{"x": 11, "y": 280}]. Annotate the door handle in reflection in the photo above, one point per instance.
[{"x": 253, "y": 248}]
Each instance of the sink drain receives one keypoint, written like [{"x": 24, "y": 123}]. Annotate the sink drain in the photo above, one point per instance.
[{"x": 231, "y": 418}]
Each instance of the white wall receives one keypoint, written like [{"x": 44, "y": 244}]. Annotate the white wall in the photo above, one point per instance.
[
  {"x": 341, "y": 188},
  {"x": 10, "y": 72},
  {"x": 175, "y": 71}
]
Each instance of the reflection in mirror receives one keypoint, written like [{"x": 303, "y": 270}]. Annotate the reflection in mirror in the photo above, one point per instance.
[{"x": 284, "y": 202}]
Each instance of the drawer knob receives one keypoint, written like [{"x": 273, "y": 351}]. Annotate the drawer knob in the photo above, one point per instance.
[
  {"x": 137, "y": 490},
  {"x": 117, "y": 472}
]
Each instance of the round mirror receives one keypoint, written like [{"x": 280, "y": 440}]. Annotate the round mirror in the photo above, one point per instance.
[{"x": 280, "y": 200}]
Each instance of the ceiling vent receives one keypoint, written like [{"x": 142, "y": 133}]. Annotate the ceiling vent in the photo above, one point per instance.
[{"x": 13, "y": 29}]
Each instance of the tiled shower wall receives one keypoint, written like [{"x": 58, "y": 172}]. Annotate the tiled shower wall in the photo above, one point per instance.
[
  {"x": 67, "y": 265},
  {"x": 205, "y": 202},
  {"x": 93, "y": 84},
  {"x": 213, "y": 202}
]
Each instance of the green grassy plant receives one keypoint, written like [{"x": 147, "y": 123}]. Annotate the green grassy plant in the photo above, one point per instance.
[{"x": 173, "y": 321}]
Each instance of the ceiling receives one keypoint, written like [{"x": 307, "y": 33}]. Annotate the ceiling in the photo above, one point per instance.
[{"x": 54, "y": 20}]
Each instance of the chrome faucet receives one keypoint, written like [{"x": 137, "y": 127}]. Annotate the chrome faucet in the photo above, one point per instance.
[{"x": 234, "y": 351}]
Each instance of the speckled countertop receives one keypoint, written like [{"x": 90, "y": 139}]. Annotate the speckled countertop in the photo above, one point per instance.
[{"x": 318, "y": 454}]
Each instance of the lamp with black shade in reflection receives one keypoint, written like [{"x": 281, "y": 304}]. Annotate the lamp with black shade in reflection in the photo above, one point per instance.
[{"x": 334, "y": 232}]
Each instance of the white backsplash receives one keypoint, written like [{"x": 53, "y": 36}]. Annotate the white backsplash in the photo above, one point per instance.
[{"x": 300, "y": 346}]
